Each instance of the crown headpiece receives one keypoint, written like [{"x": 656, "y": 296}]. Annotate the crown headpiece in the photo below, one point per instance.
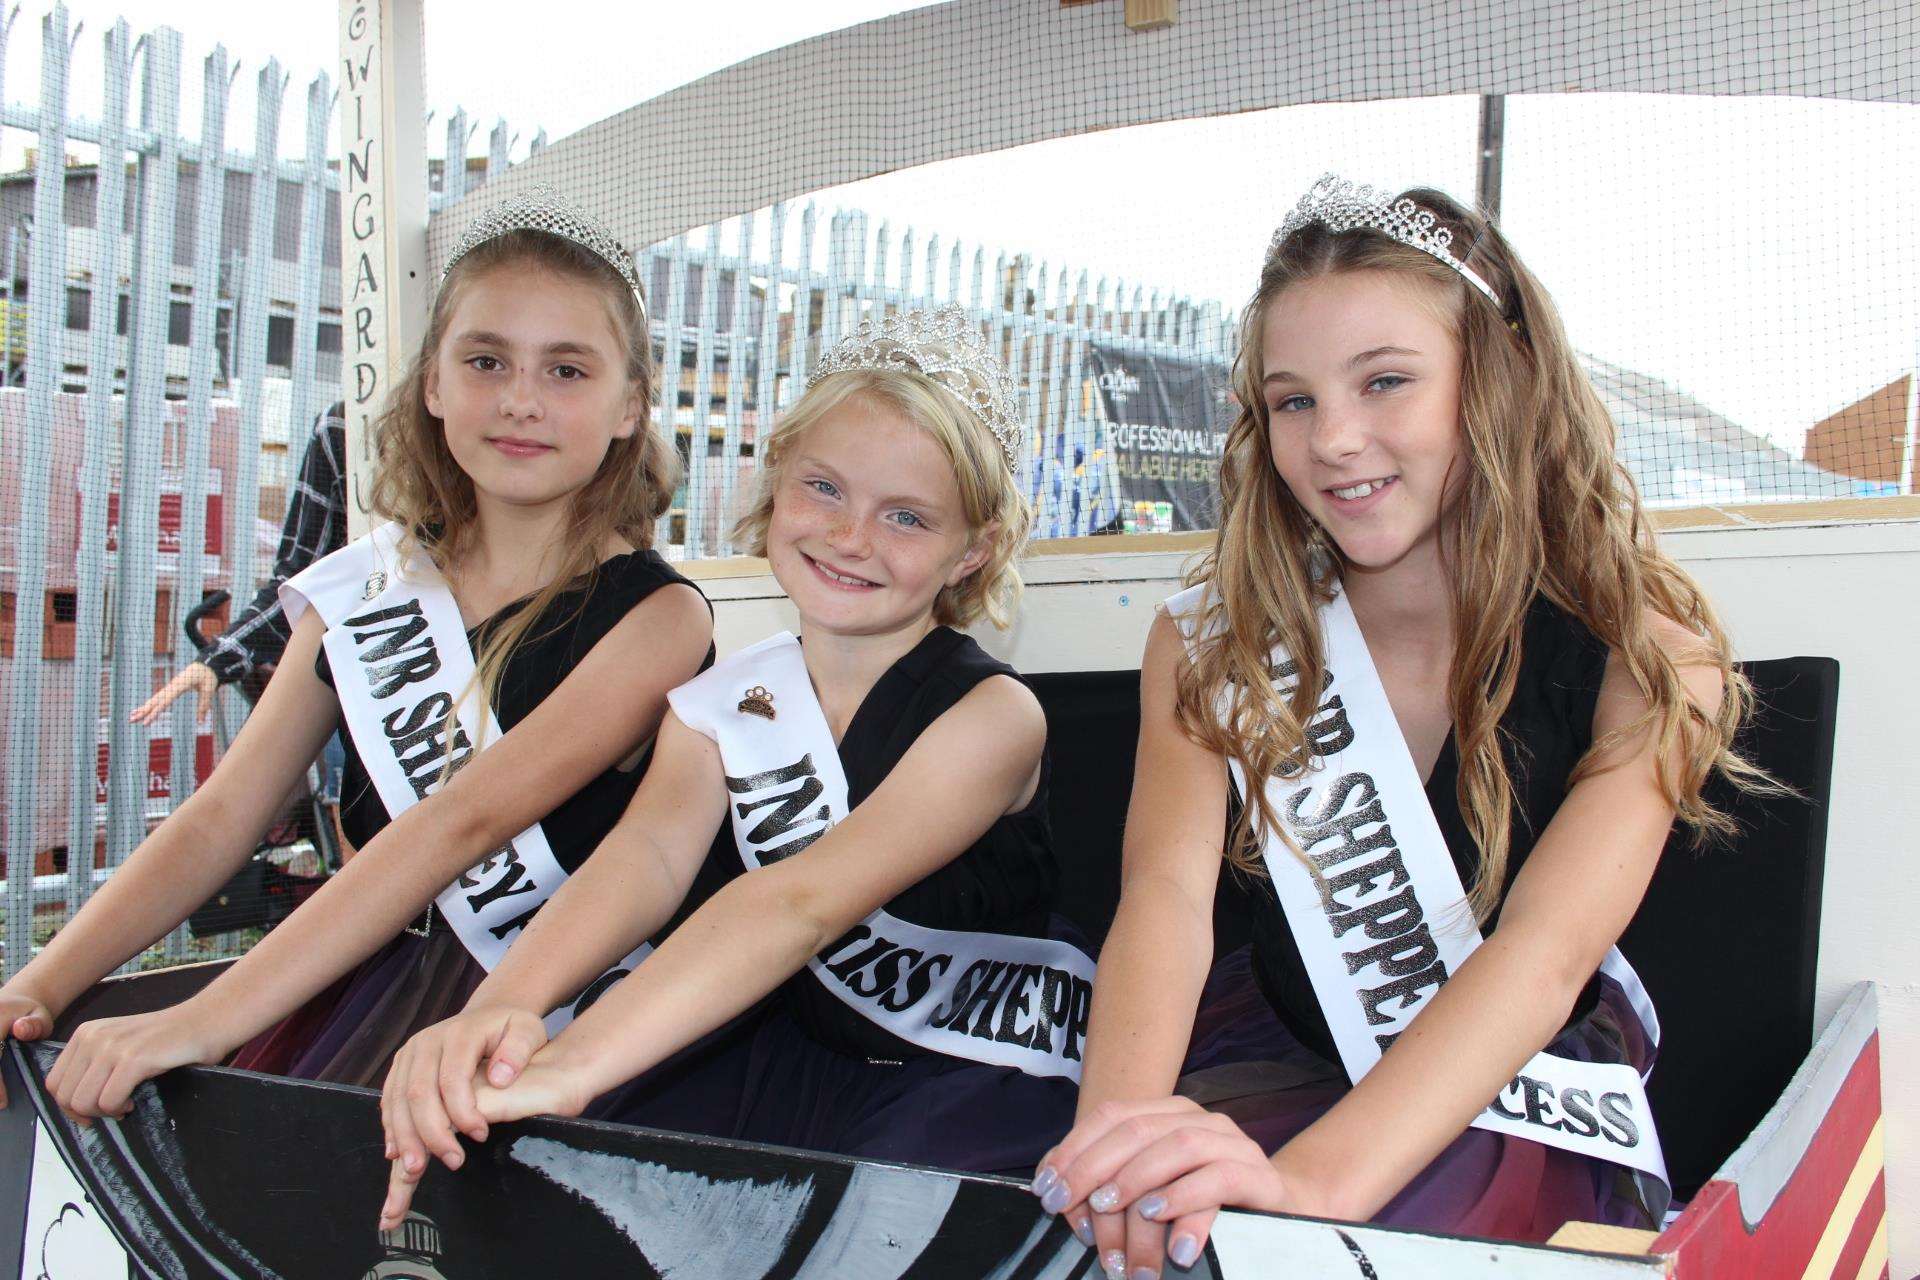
[
  {"x": 944, "y": 345},
  {"x": 1341, "y": 205},
  {"x": 539, "y": 208}
]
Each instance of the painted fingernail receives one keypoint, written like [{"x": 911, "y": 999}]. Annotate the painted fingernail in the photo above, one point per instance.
[
  {"x": 1056, "y": 1198},
  {"x": 1114, "y": 1263},
  {"x": 1045, "y": 1181},
  {"x": 1083, "y": 1228},
  {"x": 1106, "y": 1199},
  {"x": 1144, "y": 1273},
  {"x": 1152, "y": 1207},
  {"x": 1184, "y": 1251}
]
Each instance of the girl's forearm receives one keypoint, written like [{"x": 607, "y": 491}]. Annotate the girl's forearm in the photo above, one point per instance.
[
  {"x": 173, "y": 871},
  {"x": 1500, "y": 1008},
  {"x": 1152, "y": 967},
  {"x": 739, "y": 946},
  {"x": 605, "y": 909},
  {"x": 363, "y": 906}
]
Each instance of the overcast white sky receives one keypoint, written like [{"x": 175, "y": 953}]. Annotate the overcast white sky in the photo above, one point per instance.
[{"x": 1756, "y": 252}]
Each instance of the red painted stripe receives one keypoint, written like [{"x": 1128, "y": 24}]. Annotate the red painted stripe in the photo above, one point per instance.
[
  {"x": 1872, "y": 1214},
  {"x": 1711, "y": 1241}
]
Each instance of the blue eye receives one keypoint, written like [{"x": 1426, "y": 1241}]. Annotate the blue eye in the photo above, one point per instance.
[
  {"x": 1292, "y": 404},
  {"x": 1388, "y": 381},
  {"x": 823, "y": 487},
  {"x": 908, "y": 520}
]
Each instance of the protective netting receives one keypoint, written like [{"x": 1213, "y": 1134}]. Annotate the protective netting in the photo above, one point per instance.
[
  {"x": 1717, "y": 211},
  {"x": 1718, "y": 196}
]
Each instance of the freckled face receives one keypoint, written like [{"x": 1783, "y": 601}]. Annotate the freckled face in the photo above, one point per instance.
[
  {"x": 867, "y": 523},
  {"x": 1363, "y": 409},
  {"x": 530, "y": 384}
]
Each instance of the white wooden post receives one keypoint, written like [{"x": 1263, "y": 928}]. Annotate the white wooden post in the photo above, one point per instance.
[{"x": 385, "y": 281}]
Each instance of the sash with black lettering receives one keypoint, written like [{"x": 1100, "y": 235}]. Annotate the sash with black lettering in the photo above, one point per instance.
[
  {"x": 400, "y": 661},
  {"x": 1386, "y": 921},
  {"x": 996, "y": 998}
]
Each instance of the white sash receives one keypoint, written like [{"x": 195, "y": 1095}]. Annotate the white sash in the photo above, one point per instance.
[
  {"x": 400, "y": 661},
  {"x": 994, "y": 998},
  {"x": 1387, "y": 919}
]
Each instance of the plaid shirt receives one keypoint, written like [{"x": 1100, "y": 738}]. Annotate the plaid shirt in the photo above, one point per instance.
[{"x": 316, "y": 525}]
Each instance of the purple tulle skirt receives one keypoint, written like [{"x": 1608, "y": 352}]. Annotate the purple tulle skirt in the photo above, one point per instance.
[
  {"x": 349, "y": 1033},
  {"x": 1245, "y": 1064},
  {"x": 762, "y": 1079}
]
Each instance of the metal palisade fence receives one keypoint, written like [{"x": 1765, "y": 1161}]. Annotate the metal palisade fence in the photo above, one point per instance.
[
  {"x": 748, "y": 326},
  {"x": 167, "y": 340}
]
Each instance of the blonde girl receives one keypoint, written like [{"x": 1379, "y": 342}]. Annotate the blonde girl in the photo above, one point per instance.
[{"x": 880, "y": 982}]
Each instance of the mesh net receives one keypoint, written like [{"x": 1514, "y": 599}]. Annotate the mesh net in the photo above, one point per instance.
[
  {"x": 1716, "y": 212},
  {"x": 1716, "y": 196}
]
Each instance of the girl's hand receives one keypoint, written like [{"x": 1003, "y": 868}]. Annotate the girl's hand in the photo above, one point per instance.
[
  {"x": 1155, "y": 1175},
  {"x": 24, "y": 1017},
  {"x": 196, "y": 678},
  {"x": 109, "y": 1057},
  {"x": 429, "y": 1088},
  {"x": 543, "y": 1087}
]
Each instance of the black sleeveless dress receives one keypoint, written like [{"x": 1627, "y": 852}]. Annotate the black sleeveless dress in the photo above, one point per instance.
[
  {"x": 350, "y": 1032},
  {"x": 1262, "y": 1052},
  {"x": 802, "y": 1069}
]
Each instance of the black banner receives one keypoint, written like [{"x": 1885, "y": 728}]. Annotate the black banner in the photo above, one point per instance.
[{"x": 1169, "y": 420}]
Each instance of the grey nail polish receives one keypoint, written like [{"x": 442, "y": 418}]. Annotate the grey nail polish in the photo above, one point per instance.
[
  {"x": 1145, "y": 1273},
  {"x": 1084, "y": 1230},
  {"x": 1056, "y": 1198},
  {"x": 1045, "y": 1181},
  {"x": 1184, "y": 1251}
]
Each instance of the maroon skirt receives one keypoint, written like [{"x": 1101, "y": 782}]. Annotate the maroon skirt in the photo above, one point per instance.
[
  {"x": 1243, "y": 1063},
  {"x": 349, "y": 1033}
]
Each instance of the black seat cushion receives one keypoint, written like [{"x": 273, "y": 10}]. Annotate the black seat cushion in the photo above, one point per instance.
[{"x": 1726, "y": 940}]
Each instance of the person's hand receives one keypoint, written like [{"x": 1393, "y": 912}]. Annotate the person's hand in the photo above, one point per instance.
[
  {"x": 24, "y": 1017},
  {"x": 545, "y": 1086},
  {"x": 109, "y": 1057},
  {"x": 195, "y": 676},
  {"x": 1154, "y": 1175},
  {"x": 429, "y": 1088}
]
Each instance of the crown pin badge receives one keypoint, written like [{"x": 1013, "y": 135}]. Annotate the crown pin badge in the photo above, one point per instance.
[{"x": 758, "y": 702}]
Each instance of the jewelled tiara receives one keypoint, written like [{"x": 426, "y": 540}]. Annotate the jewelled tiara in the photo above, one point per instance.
[
  {"x": 1340, "y": 205},
  {"x": 946, "y": 346},
  {"x": 541, "y": 209}
]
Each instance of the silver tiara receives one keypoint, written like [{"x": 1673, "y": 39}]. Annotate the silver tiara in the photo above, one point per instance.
[
  {"x": 1340, "y": 205},
  {"x": 946, "y": 346},
  {"x": 539, "y": 208}
]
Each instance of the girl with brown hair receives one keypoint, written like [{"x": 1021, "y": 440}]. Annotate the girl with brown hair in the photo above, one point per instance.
[
  {"x": 1439, "y": 691},
  {"x": 500, "y": 651}
]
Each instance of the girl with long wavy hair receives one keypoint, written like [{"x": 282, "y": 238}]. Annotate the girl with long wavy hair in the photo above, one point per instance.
[
  {"x": 1438, "y": 690},
  {"x": 499, "y": 650}
]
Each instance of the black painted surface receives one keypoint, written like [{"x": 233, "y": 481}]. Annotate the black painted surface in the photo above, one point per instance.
[
  {"x": 16, "y": 1167},
  {"x": 220, "y": 1169}
]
